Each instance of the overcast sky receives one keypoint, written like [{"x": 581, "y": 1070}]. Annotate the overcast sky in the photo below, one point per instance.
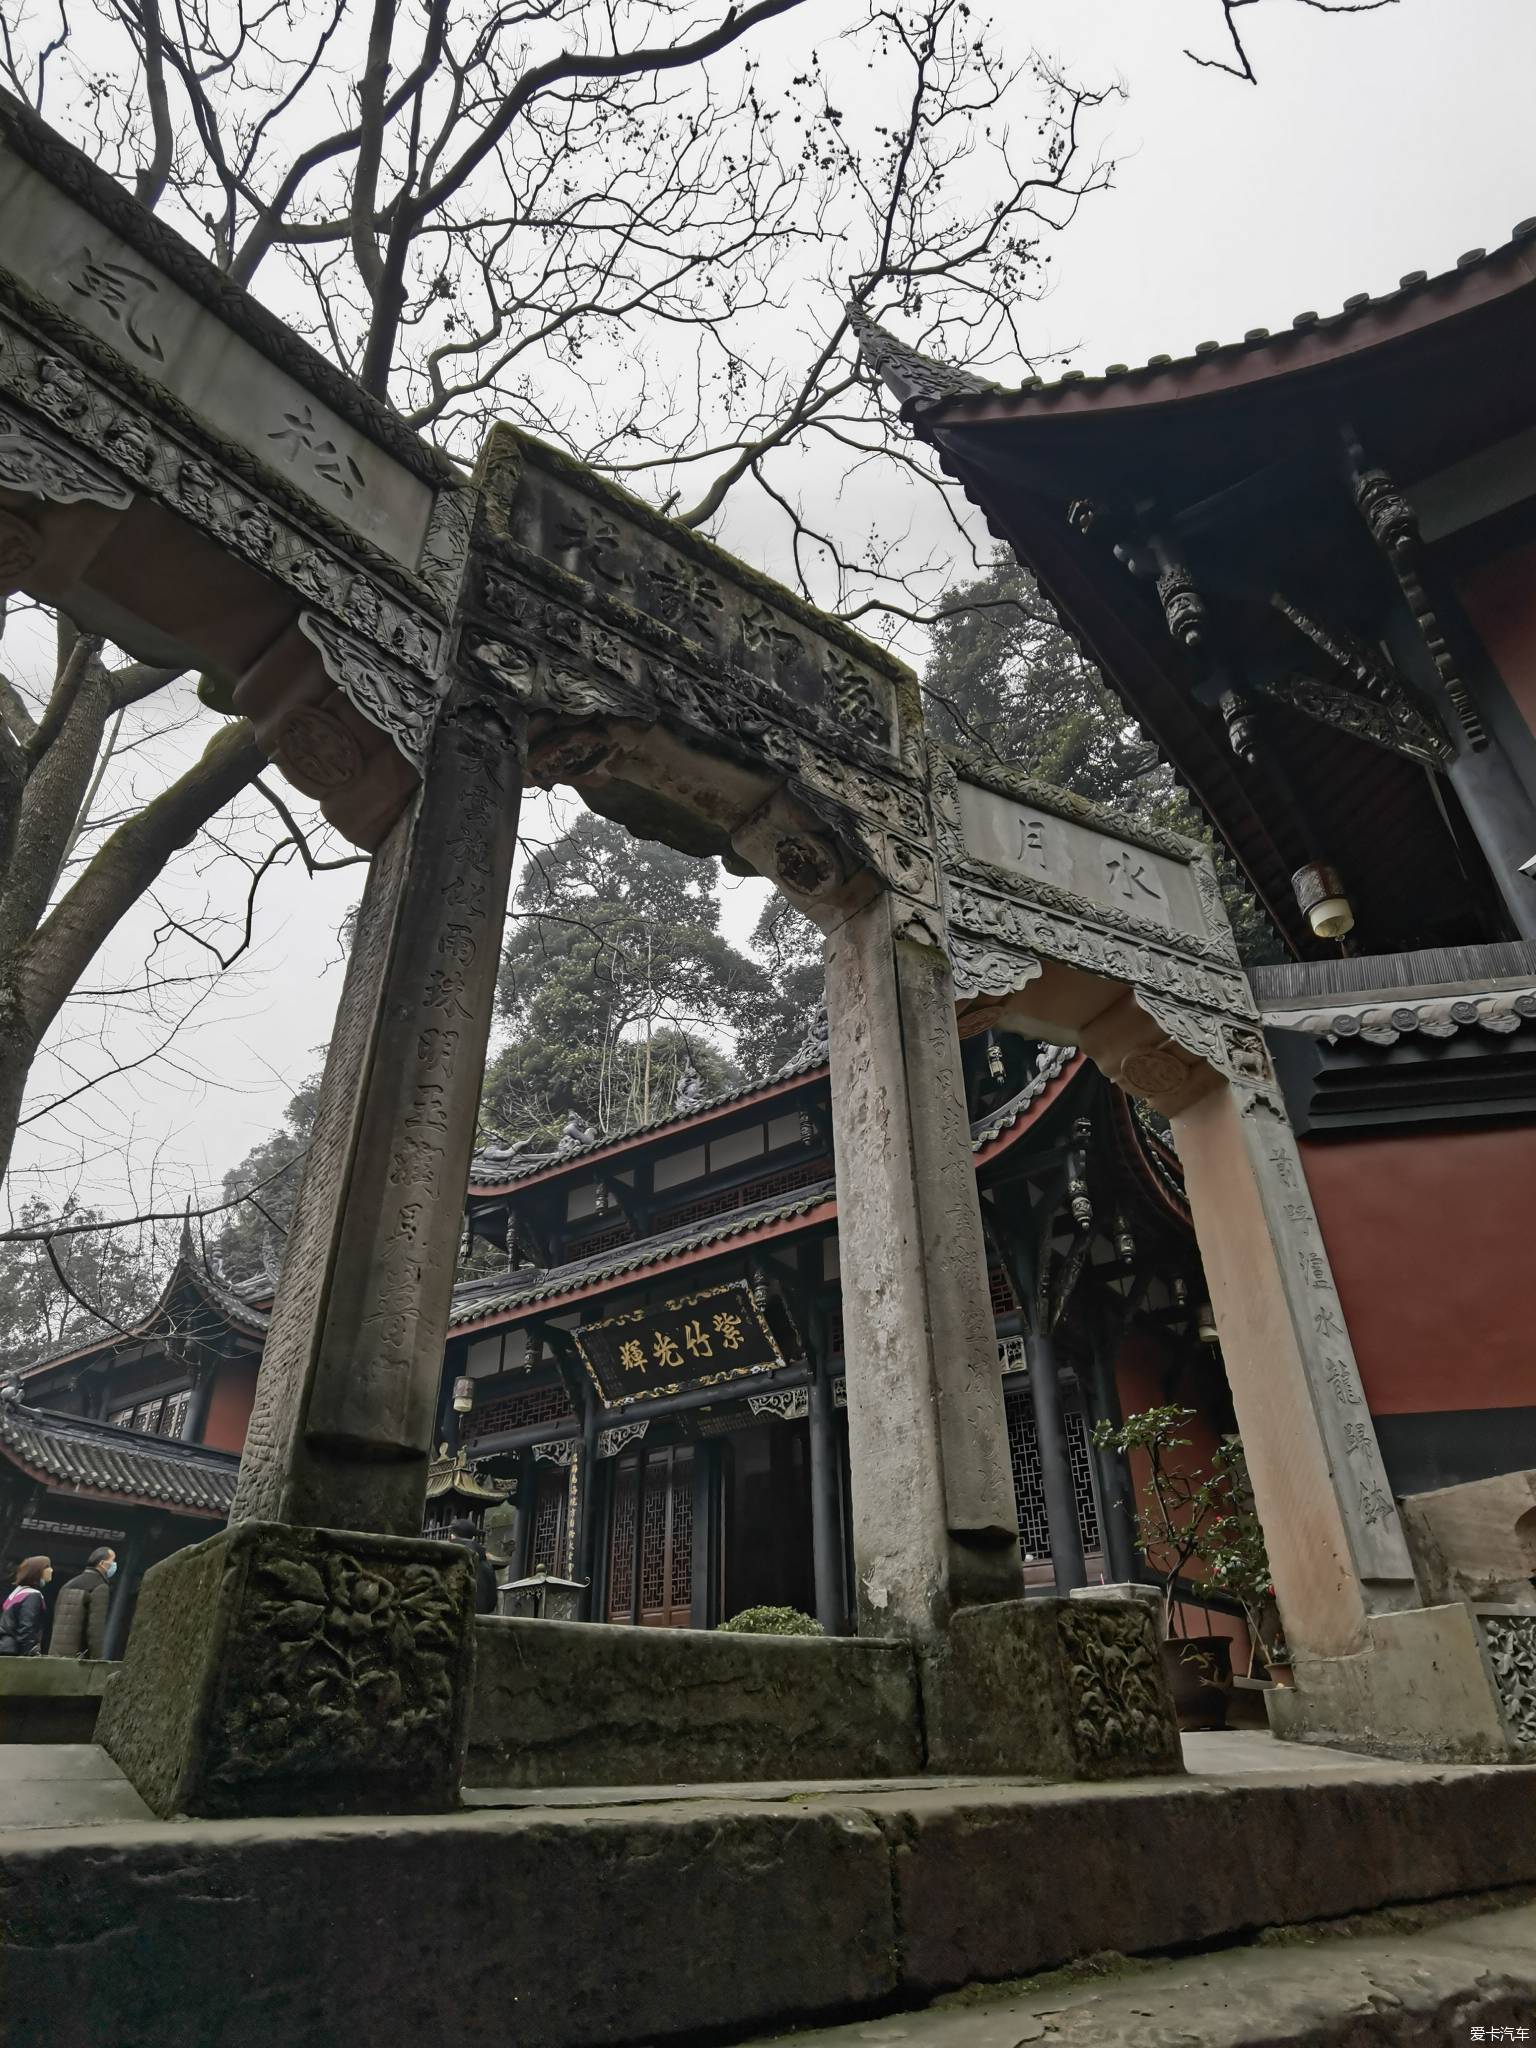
[{"x": 1372, "y": 145}]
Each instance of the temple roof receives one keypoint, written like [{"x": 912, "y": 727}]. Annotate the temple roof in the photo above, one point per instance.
[
  {"x": 484, "y": 1301},
  {"x": 99, "y": 1460},
  {"x": 1237, "y": 461},
  {"x": 498, "y": 1168},
  {"x": 944, "y": 394},
  {"x": 230, "y": 1306}
]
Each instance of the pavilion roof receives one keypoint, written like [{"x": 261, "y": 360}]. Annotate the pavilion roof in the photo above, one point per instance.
[
  {"x": 101, "y": 1461},
  {"x": 496, "y": 1170},
  {"x": 936, "y": 394},
  {"x": 1236, "y": 453},
  {"x": 230, "y": 1306}
]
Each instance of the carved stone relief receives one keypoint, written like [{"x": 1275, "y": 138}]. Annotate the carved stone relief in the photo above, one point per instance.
[
  {"x": 46, "y": 466},
  {"x": 387, "y": 693},
  {"x": 49, "y": 456},
  {"x": 344, "y": 1657},
  {"x": 1118, "y": 1696},
  {"x": 1510, "y": 1640}
]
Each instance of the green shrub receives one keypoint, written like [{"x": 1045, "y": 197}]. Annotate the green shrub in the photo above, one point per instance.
[{"x": 771, "y": 1621}]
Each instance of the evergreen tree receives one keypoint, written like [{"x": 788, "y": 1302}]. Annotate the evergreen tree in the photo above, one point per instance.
[
  {"x": 617, "y": 984},
  {"x": 1004, "y": 680},
  {"x": 251, "y": 1239},
  {"x": 774, "y": 1017},
  {"x": 113, "y": 1271}
]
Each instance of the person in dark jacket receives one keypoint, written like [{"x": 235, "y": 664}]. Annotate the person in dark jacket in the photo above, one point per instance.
[
  {"x": 22, "y": 1615},
  {"x": 464, "y": 1532},
  {"x": 80, "y": 1617}
]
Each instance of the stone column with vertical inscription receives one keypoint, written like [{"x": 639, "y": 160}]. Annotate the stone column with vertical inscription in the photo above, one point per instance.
[
  {"x": 1336, "y": 1544},
  {"x": 316, "y": 1655},
  {"x": 934, "y": 1524}
]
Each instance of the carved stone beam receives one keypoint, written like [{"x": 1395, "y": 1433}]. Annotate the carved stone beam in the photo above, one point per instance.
[
  {"x": 344, "y": 723},
  {"x": 57, "y": 505}
]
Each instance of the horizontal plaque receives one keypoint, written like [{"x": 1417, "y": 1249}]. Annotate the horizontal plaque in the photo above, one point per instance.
[
  {"x": 698, "y": 1340},
  {"x": 70, "y": 259},
  {"x": 1107, "y": 873}
]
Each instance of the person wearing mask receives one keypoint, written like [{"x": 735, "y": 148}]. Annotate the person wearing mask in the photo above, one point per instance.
[
  {"x": 80, "y": 1618},
  {"x": 23, "y": 1612},
  {"x": 464, "y": 1533}
]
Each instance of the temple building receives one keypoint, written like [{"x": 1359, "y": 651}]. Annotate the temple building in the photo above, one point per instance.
[
  {"x": 648, "y": 1399},
  {"x": 1306, "y": 563}
]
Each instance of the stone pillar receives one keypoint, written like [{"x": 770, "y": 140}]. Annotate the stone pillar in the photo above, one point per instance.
[
  {"x": 1067, "y": 1564},
  {"x": 1375, "y": 1670},
  {"x": 934, "y": 1526},
  {"x": 342, "y": 1427},
  {"x": 1336, "y": 1545},
  {"x": 315, "y": 1657}
]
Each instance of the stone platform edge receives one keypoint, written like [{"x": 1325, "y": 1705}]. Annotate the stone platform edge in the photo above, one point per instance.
[{"x": 559, "y": 1927}]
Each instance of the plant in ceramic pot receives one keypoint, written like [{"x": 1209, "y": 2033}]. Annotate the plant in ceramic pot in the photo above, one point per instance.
[{"x": 1180, "y": 1511}]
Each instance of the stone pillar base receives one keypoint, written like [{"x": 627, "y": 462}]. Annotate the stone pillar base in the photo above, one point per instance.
[
  {"x": 1051, "y": 1689},
  {"x": 1420, "y": 1691},
  {"x": 281, "y": 1670}
]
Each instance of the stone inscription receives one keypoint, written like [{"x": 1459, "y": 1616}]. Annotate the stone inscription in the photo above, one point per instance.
[
  {"x": 1339, "y": 1401},
  {"x": 707, "y": 606},
  {"x": 67, "y": 257},
  {"x": 1066, "y": 855},
  {"x": 292, "y": 1340}
]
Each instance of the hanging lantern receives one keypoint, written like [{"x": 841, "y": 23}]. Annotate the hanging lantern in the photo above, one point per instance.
[
  {"x": 463, "y": 1396},
  {"x": 997, "y": 1066},
  {"x": 1205, "y": 1324},
  {"x": 1320, "y": 893}
]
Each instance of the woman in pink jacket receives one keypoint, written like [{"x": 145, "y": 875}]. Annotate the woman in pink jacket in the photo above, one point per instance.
[{"x": 24, "y": 1612}]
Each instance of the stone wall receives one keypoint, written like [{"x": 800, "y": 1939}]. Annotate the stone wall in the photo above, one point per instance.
[{"x": 566, "y": 1703}]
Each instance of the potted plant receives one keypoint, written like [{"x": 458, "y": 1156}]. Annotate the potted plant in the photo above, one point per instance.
[{"x": 1187, "y": 1516}]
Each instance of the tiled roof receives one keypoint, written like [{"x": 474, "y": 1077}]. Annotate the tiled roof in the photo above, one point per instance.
[
  {"x": 478, "y": 1300},
  {"x": 530, "y": 1286},
  {"x": 71, "y": 1455},
  {"x": 1383, "y": 1022},
  {"x": 498, "y": 1168},
  {"x": 227, "y": 1302},
  {"x": 938, "y": 391}
]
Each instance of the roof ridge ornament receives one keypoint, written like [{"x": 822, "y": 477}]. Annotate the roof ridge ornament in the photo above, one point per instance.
[{"x": 907, "y": 373}]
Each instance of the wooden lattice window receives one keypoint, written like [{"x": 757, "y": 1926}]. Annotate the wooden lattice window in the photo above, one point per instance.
[
  {"x": 1029, "y": 1486},
  {"x": 548, "y": 1549},
  {"x": 521, "y": 1411},
  {"x": 763, "y": 1189},
  {"x": 666, "y": 1540}
]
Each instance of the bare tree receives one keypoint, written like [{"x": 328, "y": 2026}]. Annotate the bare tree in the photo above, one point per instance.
[{"x": 631, "y": 224}]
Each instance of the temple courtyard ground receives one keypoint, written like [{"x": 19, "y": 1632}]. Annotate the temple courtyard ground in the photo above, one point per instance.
[{"x": 1274, "y": 1894}]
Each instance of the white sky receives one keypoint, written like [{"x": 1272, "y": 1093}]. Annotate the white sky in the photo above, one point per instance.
[{"x": 1372, "y": 146}]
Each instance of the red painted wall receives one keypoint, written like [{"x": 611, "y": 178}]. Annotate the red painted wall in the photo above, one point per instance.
[
  {"x": 1432, "y": 1248},
  {"x": 1500, "y": 597},
  {"x": 229, "y": 1409}
]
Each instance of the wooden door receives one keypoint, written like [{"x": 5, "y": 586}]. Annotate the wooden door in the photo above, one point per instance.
[{"x": 664, "y": 1482}]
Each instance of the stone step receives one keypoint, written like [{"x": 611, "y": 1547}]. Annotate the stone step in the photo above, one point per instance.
[
  {"x": 584, "y": 1920},
  {"x": 1470, "y": 1979}
]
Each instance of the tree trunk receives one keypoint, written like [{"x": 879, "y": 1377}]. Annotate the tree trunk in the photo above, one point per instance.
[{"x": 43, "y": 967}]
